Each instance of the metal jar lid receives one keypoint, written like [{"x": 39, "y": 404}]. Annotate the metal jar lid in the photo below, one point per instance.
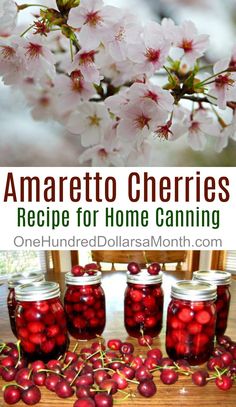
[
  {"x": 25, "y": 278},
  {"x": 217, "y": 277},
  {"x": 83, "y": 280},
  {"x": 193, "y": 290},
  {"x": 144, "y": 278},
  {"x": 37, "y": 291}
]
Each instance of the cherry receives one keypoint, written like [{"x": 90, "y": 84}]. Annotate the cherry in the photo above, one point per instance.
[
  {"x": 114, "y": 344},
  {"x": 84, "y": 402},
  {"x": 63, "y": 389},
  {"x": 224, "y": 340},
  {"x": 186, "y": 315},
  {"x": 22, "y": 374},
  {"x": 8, "y": 361},
  {"x": 134, "y": 268},
  {"x": 127, "y": 348},
  {"x": 110, "y": 385},
  {"x": 78, "y": 271},
  {"x": 128, "y": 372},
  {"x": 147, "y": 388},
  {"x": 136, "y": 362},
  {"x": 150, "y": 363},
  {"x": 31, "y": 395},
  {"x": 154, "y": 269},
  {"x": 142, "y": 373},
  {"x": 51, "y": 381},
  {"x": 84, "y": 391},
  {"x": 145, "y": 340},
  {"x": 136, "y": 295},
  {"x": 169, "y": 376},
  {"x": 165, "y": 362},
  {"x": 39, "y": 378},
  {"x": 227, "y": 358},
  {"x": 91, "y": 266},
  {"x": 224, "y": 382},
  {"x": 232, "y": 350},
  {"x": 120, "y": 380},
  {"x": 37, "y": 365},
  {"x": 155, "y": 353},
  {"x": 54, "y": 365},
  {"x": 100, "y": 375},
  {"x": 200, "y": 377},
  {"x": 203, "y": 317},
  {"x": 215, "y": 362},
  {"x": 12, "y": 394},
  {"x": 103, "y": 400},
  {"x": 84, "y": 380},
  {"x": 8, "y": 374}
]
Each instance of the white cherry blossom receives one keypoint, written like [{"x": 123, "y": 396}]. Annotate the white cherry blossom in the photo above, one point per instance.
[
  {"x": 124, "y": 32},
  {"x": 190, "y": 42},
  {"x": 8, "y": 16},
  {"x": 108, "y": 152},
  {"x": 93, "y": 19},
  {"x": 37, "y": 58},
  {"x": 11, "y": 66},
  {"x": 142, "y": 91},
  {"x": 223, "y": 88},
  {"x": 84, "y": 62},
  {"x": 72, "y": 90},
  {"x": 90, "y": 121},
  {"x": 229, "y": 132},
  {"x": 199, "y": 125},
  {"x": 138, "y": 120},
  {"x": 151, "y": 51}
]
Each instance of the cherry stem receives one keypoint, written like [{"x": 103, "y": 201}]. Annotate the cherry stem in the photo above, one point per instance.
[
  {"x": 75, "y": 347},
  {"x": 77, "y": 374},
  {"x": 50, "y": 371},
  {"x": 12, "y": 384},
  {"x": 19, "y": 352}
]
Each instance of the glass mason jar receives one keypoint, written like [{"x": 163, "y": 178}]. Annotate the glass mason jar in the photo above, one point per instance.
[
  {"x": 13, "y": 282},
  {"x": 222, "y": 279},
  {"x": 143, "y": 304},
  {"x": 191, "y": 318},
  {"x": 85, "y": 306},
  {"x": 41, "y": 321}
]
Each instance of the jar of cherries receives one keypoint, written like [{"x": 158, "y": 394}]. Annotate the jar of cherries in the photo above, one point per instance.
[
  {"x": 41, "y": 321},
  {"x": 143, "y": 304},
  {"x": 13, "y": 282},
  {"x": 191, "y": 318},
  {"x": 84, "y": 303},
  {"x": 222, "y": 279}
]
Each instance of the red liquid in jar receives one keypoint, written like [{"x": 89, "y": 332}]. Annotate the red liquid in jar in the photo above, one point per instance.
[
  {"x": 14, "y": 281},
  {"x": 222, "y": 308},
  {"x": 41, "y": 327},
  {"x": 85, "y": 310},
  {"x": 143, "y": 309},
  {"x": 190, "y": 330},
  {"x": 11, "y": 305}
]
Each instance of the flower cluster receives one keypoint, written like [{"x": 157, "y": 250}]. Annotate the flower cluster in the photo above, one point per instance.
[{"x": 117, "y": 84}]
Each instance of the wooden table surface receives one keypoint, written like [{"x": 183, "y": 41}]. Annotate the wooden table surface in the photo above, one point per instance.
[{"x": 182, "y": 393}]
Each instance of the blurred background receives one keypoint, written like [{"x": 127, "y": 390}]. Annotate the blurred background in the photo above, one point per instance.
[{"x": 25, "y": 142}]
